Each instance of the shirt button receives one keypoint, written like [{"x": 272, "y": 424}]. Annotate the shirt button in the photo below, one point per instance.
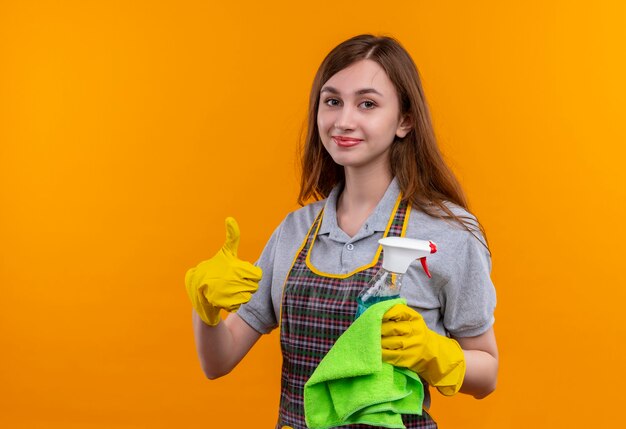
[{"x": 350, "y": 246}]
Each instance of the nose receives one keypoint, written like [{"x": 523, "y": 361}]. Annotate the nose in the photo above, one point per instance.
[{"x": 345, "y": 119}]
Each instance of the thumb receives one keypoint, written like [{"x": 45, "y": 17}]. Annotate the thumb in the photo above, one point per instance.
[
  {"x": 401, "y": 312},
  {"x": 231, "y": 245}
]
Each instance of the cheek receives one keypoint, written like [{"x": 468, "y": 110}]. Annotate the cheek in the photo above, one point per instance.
[
  {"x": 322, "y": 121},
  {"x": 382, "y": 126},
  {"x": 322, "y": 128}
]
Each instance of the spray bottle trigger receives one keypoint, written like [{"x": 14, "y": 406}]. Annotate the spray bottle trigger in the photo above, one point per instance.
[{"x": 425, "y": 266}]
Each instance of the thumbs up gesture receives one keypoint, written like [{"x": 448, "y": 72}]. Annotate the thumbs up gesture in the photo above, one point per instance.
[{"x": 224, "y": 281}]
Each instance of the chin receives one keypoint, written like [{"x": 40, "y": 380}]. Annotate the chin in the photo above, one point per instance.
[{"x": 340, "y": 160}]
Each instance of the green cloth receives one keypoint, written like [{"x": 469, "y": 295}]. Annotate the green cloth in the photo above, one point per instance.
[{"x": 353, "y": 385}]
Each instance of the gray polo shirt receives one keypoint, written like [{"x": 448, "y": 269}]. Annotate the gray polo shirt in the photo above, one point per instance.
[{"x": 458, "y": 300}]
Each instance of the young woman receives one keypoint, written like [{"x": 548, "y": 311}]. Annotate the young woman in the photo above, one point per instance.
[{"x": 372, "y": 164}]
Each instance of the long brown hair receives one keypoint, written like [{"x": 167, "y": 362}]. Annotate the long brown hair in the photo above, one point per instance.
[{"x": 416, "y": 161}]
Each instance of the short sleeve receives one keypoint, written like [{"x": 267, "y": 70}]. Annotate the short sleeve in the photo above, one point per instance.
[
  {"x": 259, "y": 311},
  {"x": 469, "y": 297}
]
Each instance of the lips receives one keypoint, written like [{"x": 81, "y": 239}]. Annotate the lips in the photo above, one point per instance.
[{"x": 346, "y": 141}]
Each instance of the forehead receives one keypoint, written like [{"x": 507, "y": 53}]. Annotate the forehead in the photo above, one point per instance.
[{"x": 359, "y": 75}]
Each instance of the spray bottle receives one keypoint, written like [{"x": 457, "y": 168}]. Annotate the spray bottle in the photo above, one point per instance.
[{"x": 398, "y": 253}]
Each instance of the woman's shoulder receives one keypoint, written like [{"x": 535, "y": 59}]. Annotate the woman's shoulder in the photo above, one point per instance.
[
  {"x": 440, "y": 226},
  {"x": 459, "y": 245},
  {"x": 307, "y": 213},
  {"x": 290, "y": 232},
  {"x": 297, "y": 223}
]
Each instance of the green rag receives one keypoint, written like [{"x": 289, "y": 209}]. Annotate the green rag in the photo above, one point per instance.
[{"x": 352, "y": 384}]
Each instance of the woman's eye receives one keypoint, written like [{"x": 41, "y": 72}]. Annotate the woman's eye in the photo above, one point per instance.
[
  {"x": 331, "y": 102},
  {"x": 368, "y": 104}
]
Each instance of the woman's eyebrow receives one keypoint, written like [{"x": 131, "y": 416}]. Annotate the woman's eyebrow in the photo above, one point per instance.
[{"x": 358, "y": 92}]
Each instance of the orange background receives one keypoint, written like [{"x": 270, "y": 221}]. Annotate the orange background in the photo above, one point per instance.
[{"x": 129, "y": 130}]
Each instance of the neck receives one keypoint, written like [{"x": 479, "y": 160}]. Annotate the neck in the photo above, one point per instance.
[{"x": 363, "y": 189}]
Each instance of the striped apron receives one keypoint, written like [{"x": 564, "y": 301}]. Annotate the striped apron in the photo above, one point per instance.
[{"x": 316, "y": 309}]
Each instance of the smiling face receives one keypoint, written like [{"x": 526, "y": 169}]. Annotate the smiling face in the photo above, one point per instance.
[{"x": 359, "y": 115}]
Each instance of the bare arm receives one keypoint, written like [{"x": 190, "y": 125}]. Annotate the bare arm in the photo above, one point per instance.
[
  {"x": 220, "y": 348},
  {"x": 481, "y": 359}
]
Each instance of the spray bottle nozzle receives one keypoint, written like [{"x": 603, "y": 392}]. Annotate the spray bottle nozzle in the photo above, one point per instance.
[
  {"x": 399, "y": 252},
  {"x": 433, "y": 249}
]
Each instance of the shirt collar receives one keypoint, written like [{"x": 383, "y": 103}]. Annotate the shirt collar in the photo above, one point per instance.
[{"x": 377, "y": 221}]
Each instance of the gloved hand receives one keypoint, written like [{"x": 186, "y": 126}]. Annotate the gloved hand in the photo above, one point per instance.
[
  {"x": 408, "y": 342},
  {"x": 224, "y": 281}
]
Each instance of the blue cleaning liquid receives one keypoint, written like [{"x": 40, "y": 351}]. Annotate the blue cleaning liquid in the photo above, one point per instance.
[{"x": 362, "y": 306}]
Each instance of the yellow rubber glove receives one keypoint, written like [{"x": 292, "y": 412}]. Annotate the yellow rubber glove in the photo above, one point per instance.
[
  {"x": 408, "y": 342},
  {"x": 224, "y": 281}
]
